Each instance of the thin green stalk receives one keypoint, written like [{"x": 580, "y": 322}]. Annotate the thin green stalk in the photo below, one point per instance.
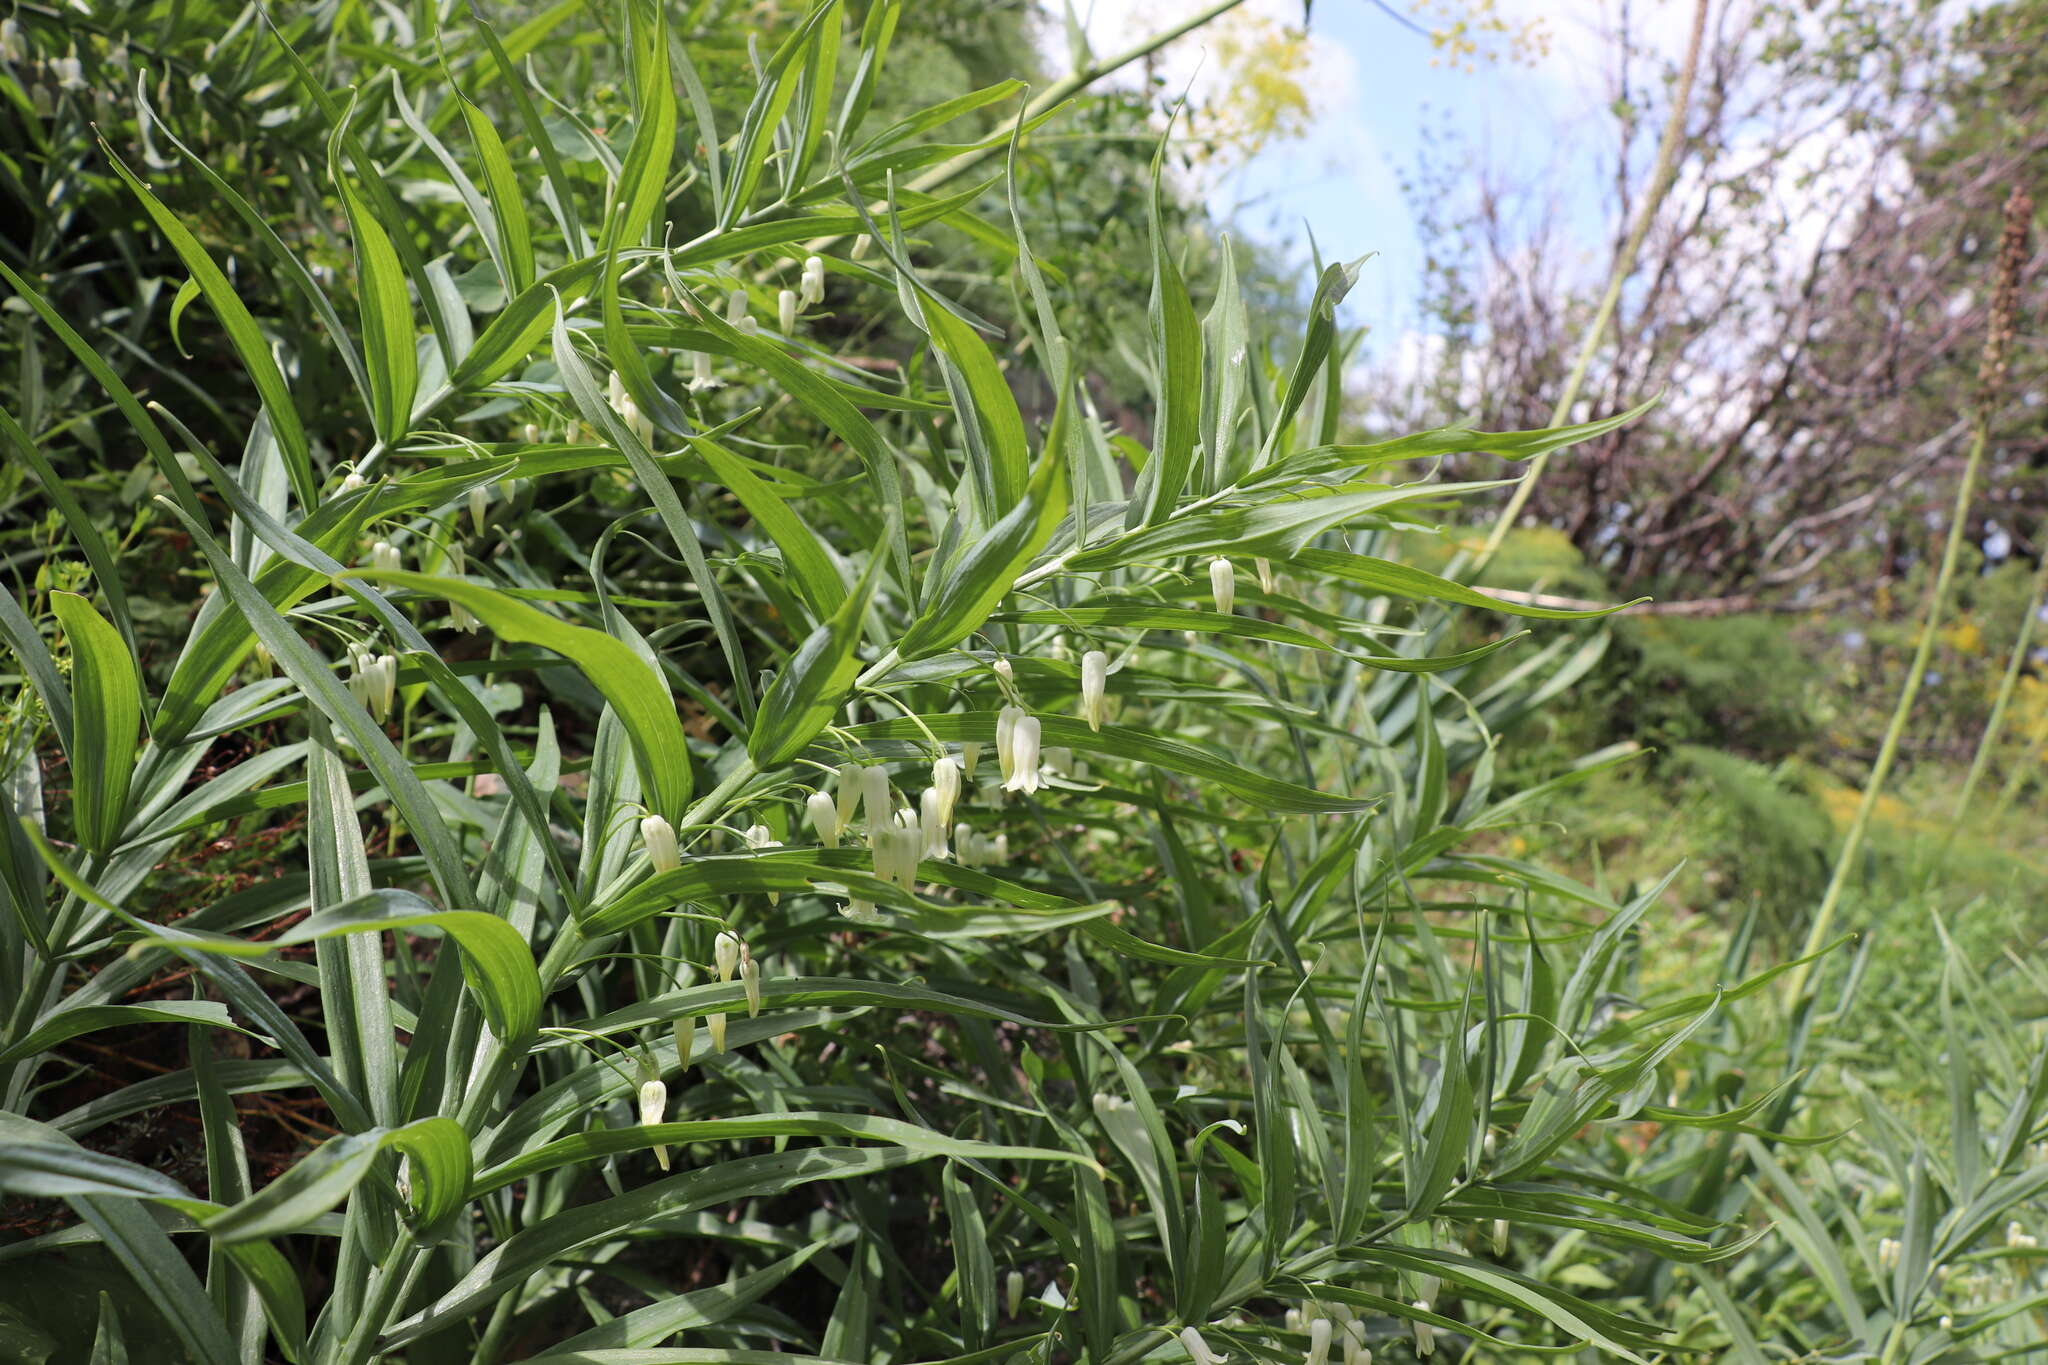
[
  {"x": 1937, "y": 603},
  {"x": 2019, "y": 214},
  {"x": 1661, "y": 178},
  {"x": 1989, "y": 739}
]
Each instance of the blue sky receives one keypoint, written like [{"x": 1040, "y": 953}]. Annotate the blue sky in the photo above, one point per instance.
[{"x": 1377, "y": 94}]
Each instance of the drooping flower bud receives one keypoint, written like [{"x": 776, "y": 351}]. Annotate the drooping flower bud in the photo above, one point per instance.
[
  {"x": 659, "y": 836},
  {"x": 812, "y": 287},
  {"x": 725, "y": 953},
  {"x": 1265, "y": 568},
  {"x": 748, "y": 326},
  {"x": 653, "y": 1103},
  {"x": 1198, "y": 1349},
  {"x": 384, "y": 556},
  {"x": 716, "y": 1023},
  {"x": 1094, "y": 680},
  {"x": 685, "y": 1031},
  {"x": 970, "y": 755},
  {"x": 1318, "y": 1342},
  {"x": 1500, "y": 1236},
  {"x": 1013, "y": 1293},
  {"x": 874, "y": 798},
  {"x": 750, "y": 980},
  {"x": 350, "y": 482},
  {"x": 846, "y": 796},
  {"x": 1006, "y": 734},
  {"x": 1006, "y": 672},
  {"x": 736, "y": 306},
  {"x": 387, "y": 687},
  {"x": 1223, "y": 584},
  {"x": 785, "y": 311},
  {"x": 761, "y": 837},
  {"x": 999, "y": 852},
  {"x": 823, "y": 813},
  {"x": 965, "y": 845},
  {"x": 946, "y": 782},
  {"x": 531, "y": 433},
  {"x": 1023, "y": 757},
  {"x": 931, "y": 824}
]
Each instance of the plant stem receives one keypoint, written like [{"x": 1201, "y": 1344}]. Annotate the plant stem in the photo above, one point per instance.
[
  {"x": 1937, "y": 602},
  {"x": 1991, "y": 373},
  {"x": 2035, "y": 601},
  {"x": 1661, "y": 178}
]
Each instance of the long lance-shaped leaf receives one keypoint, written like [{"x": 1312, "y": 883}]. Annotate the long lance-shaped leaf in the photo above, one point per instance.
[
  {"x": 803, "y": 554},
  {"x": 391, "y": 358},
  {"x": 817, "y": 679},
  {"x": 635, "y": 690},
  {"x": 1119, "y": 742},
  {"x": 496, "y": 960},
  {"x": 243, "y": 335},
  {"x": 509, "y": 1264},
  {"x": 764, "y": 112},
  {"x": 980, "y": 579},
  {"x": 65, "y": 1024},
  {"x": 315, "y": 677},
  {"x": 106, "y": 719},
  {"x": 667, "y": 505},
  {"x": 606, "y": 1142},
  {"x": 94, "y": 364},
  {"x": 1335, "y": 283},
  {"x": 232, "y": 982},
  {"x": 637, "y": 198},
  {"x": 90, "y": 542},
  {"x": 1176, "y": 375}
]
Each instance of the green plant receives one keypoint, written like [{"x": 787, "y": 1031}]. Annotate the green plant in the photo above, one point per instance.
[{"x": 566, "y": 641}]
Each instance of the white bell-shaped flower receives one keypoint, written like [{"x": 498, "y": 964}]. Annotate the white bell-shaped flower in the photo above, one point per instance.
[
  {"x": 750, "y": 981},
  {"x": 653, "y": 1104},
  {"x": 846, "y": 794},
  {"x": 785, "y": 311},
  {"x": 384, "y": 555},
  {"x": 946, "y": 782},
  {"x": 1223, "y": 584},
  {"x": 1023, "y": 757},
  {"x": 874, "y": 798},
  {"x": 1318, "y": 1342},
  {"x": 1006, "y": 734},
  {"x": 931, "y": 823},
  {"x": 1198, "y": 1349},
  {"x": 659, "y": 837},
  {"x": 823, "y": 813},
  {"x": 725, "y": 953},
  {"x": 1094, "y": 682}
]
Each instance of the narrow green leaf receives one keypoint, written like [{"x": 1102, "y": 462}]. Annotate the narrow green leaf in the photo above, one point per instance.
[{"x": 106, "y": 721}]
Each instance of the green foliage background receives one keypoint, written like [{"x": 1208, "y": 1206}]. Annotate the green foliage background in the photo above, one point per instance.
[{"x": 418, "y": 500}]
